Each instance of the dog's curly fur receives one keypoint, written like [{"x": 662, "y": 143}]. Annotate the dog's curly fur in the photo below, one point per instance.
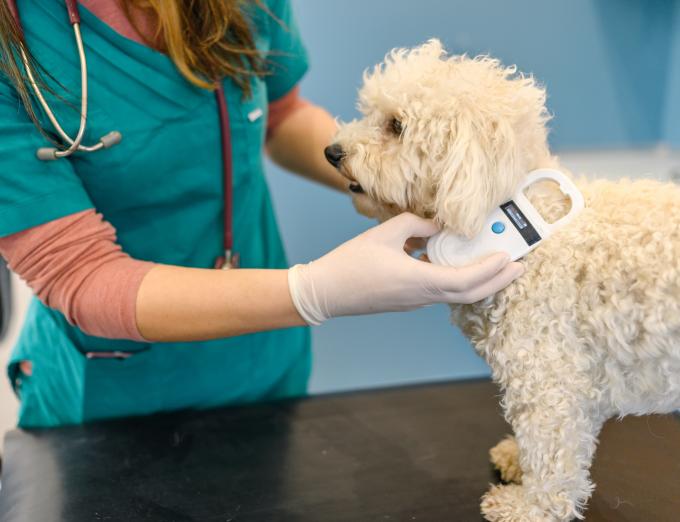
[{"x": 592, "y": 329}]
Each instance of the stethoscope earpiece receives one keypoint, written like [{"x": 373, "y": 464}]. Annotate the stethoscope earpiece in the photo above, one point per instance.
[
  {"x": 47, "y": 154},
  {"x": 111, "y": 139},
  {"x": 105, "y": 142}
]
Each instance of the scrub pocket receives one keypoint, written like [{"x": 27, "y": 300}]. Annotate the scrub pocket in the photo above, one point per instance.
[
  {"x": 117, "y": 387},
  {"x": 70, "y": 388},
  {"x": 67, "y": 387}
]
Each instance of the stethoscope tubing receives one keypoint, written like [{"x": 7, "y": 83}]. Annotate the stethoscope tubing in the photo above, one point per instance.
[
  {"x": 228, "y": 260},
  {"x": 75, "y": 144}
]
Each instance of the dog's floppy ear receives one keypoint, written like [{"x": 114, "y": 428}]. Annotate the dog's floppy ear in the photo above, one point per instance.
[
  {"x": 494, "y": 138},
  {"x": 478, "y": 173}
]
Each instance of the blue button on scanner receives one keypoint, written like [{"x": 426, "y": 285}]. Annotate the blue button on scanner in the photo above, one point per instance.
[{"x": 498, "y": 227}]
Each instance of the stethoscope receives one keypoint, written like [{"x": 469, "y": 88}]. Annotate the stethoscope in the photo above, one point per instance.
[{"x": 230, "y": 258}]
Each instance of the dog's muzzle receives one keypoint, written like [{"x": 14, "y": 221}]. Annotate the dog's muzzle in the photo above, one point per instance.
[{"x": 334, "y": 154}]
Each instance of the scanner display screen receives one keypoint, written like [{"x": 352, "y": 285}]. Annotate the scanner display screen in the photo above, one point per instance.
[{"x": 521, "y": 223}]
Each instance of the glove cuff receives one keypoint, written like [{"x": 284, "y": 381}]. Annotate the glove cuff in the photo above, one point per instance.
[{"x": 302, "y": 291}]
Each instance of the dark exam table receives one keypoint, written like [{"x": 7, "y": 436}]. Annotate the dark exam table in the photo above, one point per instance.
[{"x": 408, "y": 454}]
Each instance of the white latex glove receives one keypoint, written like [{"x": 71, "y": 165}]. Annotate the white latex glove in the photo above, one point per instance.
[{"x": 372, "y": 273}]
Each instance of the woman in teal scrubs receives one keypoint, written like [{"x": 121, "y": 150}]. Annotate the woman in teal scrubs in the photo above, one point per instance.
[{"x": 210, "y": 337}]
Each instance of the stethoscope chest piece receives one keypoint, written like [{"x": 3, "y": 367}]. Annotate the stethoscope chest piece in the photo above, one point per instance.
[{"x": 227, "y": 261}]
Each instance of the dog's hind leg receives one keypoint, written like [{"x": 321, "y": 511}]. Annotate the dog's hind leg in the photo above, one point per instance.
[
  {"x": 505, "y": 458},
  {"x": 556, "y": 433}
]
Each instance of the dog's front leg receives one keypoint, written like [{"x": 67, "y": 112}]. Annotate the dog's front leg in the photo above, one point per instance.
[{"x": 556, "y": 429}]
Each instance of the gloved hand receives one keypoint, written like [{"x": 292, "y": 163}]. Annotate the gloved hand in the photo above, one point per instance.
[{"x": 372, "y": 273}]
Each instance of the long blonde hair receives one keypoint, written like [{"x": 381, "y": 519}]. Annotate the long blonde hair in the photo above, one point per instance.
[{"x": 206, "y": 39}]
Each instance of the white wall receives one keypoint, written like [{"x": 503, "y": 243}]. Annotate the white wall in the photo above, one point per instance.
[{"x": 8, "y": 403}]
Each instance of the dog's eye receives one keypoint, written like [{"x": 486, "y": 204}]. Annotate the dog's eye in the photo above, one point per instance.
[{"x": 395, "y": 126}]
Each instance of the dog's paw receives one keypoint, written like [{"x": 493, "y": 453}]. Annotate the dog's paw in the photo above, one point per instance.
[
  {"x": 508, "y": 504},
  {"x": 505, "y": 458}
]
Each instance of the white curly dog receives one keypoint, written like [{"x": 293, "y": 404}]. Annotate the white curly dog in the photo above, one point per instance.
[{"x": 592, "y": 329}]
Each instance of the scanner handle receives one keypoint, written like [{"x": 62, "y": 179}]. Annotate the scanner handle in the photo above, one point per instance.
[{"x": 567, "y": 186}]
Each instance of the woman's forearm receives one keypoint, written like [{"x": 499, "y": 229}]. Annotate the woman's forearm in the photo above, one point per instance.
[
  {"x": 298, "y": 145},
  {"x": 187, "y": 304}
]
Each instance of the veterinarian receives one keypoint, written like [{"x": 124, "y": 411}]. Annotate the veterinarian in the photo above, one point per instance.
[{"x": 119, "y": 219}]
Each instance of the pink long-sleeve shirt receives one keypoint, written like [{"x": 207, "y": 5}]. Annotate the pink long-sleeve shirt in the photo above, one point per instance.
[{"x": 73, "y": 263}]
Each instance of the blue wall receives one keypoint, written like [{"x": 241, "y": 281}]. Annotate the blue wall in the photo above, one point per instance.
[
  {"x": 671, "y": 113},
  {"x": 605, "y": 64}
]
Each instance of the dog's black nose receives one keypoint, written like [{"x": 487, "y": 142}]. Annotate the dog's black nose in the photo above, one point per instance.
[{"x": 334, "y": 154}]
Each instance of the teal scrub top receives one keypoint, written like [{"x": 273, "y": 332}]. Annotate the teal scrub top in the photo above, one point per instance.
[{"x": 161, "y": 187}]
